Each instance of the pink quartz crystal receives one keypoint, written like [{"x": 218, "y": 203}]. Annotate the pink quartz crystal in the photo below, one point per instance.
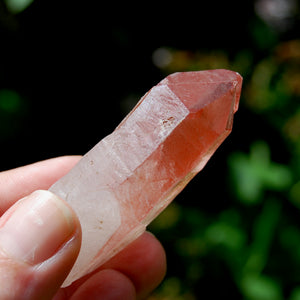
[{"x": 130, "y": 176}]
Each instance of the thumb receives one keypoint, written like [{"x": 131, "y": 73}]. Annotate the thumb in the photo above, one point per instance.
[{"x": 40, "y": 239}]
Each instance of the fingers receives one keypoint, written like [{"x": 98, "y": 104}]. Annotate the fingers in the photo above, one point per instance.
[
  {"x": 20, "y": 182},
  {"x": 136, "y": 271},
  {"x": 40, "y": 239},
  {"x": 143, "y": 261},
  {"x": 108, "y": 285}
]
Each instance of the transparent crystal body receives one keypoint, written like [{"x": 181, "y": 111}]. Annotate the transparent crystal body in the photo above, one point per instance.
[{"x": 131, "y": 175}]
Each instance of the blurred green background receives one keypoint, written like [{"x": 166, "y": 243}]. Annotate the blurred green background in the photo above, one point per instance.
[{"x": 70, "y": 71}]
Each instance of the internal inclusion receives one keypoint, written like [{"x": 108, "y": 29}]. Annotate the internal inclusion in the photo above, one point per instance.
[{"x": 105, "y": 187}]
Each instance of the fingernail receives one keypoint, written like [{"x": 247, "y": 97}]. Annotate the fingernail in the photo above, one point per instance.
[{"x": 36, "y": 228}]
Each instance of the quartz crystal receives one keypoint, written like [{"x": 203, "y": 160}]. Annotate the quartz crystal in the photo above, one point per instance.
[{"x": 131, "y": 175}]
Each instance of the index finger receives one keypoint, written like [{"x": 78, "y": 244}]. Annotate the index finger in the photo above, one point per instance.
[{"x": 20, "y": 182}]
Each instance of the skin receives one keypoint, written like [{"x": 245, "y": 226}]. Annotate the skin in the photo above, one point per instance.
[{"x": 131, "y": 274}]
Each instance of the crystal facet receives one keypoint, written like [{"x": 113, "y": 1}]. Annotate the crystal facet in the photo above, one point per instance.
[{"x": 131, "y": 175}]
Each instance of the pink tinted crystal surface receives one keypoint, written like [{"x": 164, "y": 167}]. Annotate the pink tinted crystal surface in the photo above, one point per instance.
[{"x": 130, "y": 176}]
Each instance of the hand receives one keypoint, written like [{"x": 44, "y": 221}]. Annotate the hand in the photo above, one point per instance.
[{"x": 40, "y": 239}]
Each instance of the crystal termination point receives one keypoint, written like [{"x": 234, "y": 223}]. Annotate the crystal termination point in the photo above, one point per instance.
[{"x": 131, "y": 175}]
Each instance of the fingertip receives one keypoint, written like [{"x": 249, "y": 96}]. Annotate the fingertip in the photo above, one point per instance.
[{"x": 40, "y": 239}]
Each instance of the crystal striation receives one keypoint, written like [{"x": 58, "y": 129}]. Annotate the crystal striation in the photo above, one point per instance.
[{"x": 131, "y": 175}]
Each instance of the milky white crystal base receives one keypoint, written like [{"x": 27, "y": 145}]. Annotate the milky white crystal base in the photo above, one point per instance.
[
  {"x": 130, "y": 176},
  {"x": 108, "y": 165}
]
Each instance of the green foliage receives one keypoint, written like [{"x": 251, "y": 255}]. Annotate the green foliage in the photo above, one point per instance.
[
  {"x": 260, "y": 288},
  {"x": 254, "y": 173},
  {"x": 12, "y": 109},
  {"x": 251, "y": 248},
  {"x": 295, "y": 294},
  {"x": 10, "y": 101},
  {"x": 17, "y": 6}
]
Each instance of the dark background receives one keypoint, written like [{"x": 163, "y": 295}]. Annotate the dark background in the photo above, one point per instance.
[{"x": 74, "y": 63}]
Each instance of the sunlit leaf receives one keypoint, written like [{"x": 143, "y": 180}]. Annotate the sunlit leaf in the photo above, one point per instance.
[
  {"x": 226, "y": 234},
  {"x": 254, "y": 173},
  {"x": 260, "y": 288},
  {"x": 263, "y": 234},
  {"x": 16, "y": 6}
]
